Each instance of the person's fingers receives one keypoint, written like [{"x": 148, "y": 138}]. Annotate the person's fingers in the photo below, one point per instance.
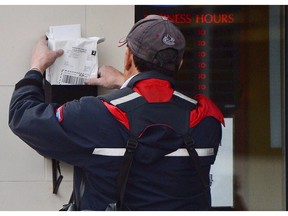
[
  {"x": 43, "y": 40},
  {"x": 92, "y": 81},
  {"x": 60, "y": 52}
]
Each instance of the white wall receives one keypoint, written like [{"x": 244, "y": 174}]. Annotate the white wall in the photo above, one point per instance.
[{"x": 26, "y": 177}]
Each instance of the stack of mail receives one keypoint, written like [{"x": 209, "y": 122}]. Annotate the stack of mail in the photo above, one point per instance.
[{"x": 80, "y": 58}]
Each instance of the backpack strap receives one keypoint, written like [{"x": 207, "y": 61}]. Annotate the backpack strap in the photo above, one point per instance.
[
  {"x": 190, "y": 146},
  {"x": 127, "y": 100},
  {"x": 124, "y": 171},
  {"x": 57, "y": 175}
]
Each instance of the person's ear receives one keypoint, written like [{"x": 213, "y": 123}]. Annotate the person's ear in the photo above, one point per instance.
[{"x": 128, "y": 59}]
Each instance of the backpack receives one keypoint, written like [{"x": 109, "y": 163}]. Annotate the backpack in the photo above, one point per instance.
[{"x": 153, "y": 135}]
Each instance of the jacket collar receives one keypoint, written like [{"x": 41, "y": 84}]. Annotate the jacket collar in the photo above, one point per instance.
[{"x": 149, "y": 75}]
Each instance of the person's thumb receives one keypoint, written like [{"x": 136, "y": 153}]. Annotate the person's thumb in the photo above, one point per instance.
[{"x": 59, "y": 52}]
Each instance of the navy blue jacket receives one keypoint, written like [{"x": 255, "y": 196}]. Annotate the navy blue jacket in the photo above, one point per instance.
[{"x": 78, "y": 131}]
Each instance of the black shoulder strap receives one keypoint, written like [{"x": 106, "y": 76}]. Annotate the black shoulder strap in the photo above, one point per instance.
[
  {"x": 190, "y": 146},
  {"x": 124, "y": 171},
  {"x": 57, "y": 179}
]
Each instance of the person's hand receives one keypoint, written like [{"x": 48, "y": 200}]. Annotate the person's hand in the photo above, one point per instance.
[
  {"x": 109, "y": 77},
  {"x": 42, "y": 56}
]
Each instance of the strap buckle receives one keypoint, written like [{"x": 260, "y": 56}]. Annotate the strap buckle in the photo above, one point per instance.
[
  {"x": 132, "y": 144},
  {"x": 189, "y": 142}
]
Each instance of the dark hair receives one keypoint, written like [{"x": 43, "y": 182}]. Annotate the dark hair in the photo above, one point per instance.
[{"x": 166, "y": 62}]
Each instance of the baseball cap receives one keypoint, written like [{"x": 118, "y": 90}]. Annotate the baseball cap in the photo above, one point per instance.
[{"x": 154, "y": 35}]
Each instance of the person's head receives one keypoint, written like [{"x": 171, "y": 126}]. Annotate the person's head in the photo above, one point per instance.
[{"x": 156, "y": 44}]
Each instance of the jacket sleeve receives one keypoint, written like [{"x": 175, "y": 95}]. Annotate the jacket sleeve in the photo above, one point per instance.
[{"x": 35, "y": 122}]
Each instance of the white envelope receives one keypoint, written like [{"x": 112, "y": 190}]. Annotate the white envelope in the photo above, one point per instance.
[{"x": 80, "y": 58}]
